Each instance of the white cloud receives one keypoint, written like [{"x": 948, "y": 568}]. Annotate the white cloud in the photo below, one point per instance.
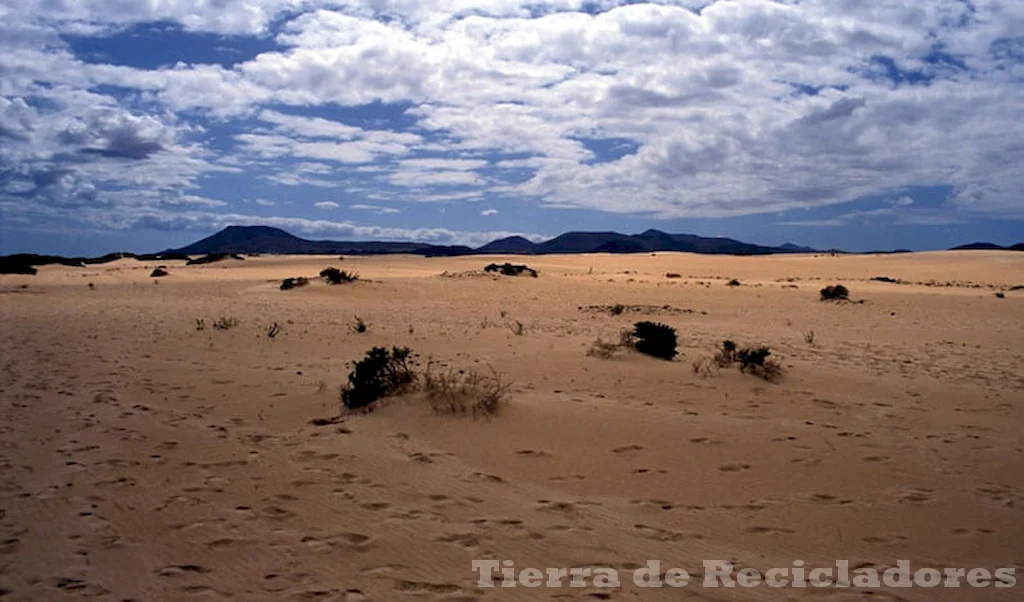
[
  {"x": 487, "y": 212},
  {"x": 374, "y": 208},
  {"x": 326, "y": 205},
  {"x": 726, "y": 108}
]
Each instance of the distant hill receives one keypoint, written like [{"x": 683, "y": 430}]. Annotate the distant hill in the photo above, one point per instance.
[
  {"x": 988, "y": 246},
  {"x": 264, "y": 239}
]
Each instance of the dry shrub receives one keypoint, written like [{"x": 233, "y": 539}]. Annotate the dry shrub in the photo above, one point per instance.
[
  {"x": 606, "y": 350},
  {"x": 450, "y": 391}
]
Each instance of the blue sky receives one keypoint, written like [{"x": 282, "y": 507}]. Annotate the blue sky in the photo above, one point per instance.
[{"x": 147, "y": 125}]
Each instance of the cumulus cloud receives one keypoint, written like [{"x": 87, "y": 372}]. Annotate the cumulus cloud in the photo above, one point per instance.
[
  {"x": 487, "y": 212},
  {"x": 326, "y": 205},
  {"x": 687, "y": 108}
]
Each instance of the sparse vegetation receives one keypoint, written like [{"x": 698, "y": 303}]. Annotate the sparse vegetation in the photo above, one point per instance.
[
  {"x": 1000, "y": 295},
  {"x": 380, "y": 373},
  {"x": 603, "y": 349},
  {"x": 752, "y": 360},
  {"x": 359, "y": 326},
  {"x": 673, "y": 275},
  {"x": 273, "y": 330},
  {"x": 200, "y": 324},
  {"x": 450, "y": 391},
  {"x": 836, "y": 292},
  {"x": 655, "y": 339},
  {"x": 225, "y": 323},
  {"x": 509, "y": 269},
  {"x": 159, "y": 272},
  {"x": 886, "y": 279},
  {"x": 336, "y": 276},
  {"x": 517, "y": 328},
  {"x": 617, "y": 309},
  {"x": 733, "y": 282},
  {"x": 290, "y": 283},
  {"x": 809, "y": 337}
]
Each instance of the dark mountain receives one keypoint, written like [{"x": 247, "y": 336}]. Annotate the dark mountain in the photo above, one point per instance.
[
  {"x": 980, "y": 246},
  {"x": 793, "y": 248},
  {"x": 513, "y": 245},
  {"x": 264, "y": 239},
  {"x": 1017, "y": 247}
]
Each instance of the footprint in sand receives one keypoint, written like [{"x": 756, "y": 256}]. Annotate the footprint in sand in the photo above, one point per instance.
[
  {"x": 762, "y": 530},
  {"x": 627, "y": 448},
  {"x": 658, "y": 534},
  {"x": 734, "y": 467}
]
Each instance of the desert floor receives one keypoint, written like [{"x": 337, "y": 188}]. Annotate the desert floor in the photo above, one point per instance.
[{"x": 145, "y": 459}]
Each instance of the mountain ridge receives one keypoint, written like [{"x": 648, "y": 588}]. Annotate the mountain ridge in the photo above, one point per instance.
[{"x": 271, "y": 240}]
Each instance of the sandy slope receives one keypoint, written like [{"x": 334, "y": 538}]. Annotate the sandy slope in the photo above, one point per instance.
[{"x": 144, "y": 459}]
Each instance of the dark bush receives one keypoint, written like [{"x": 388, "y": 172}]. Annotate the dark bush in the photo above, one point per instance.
[
  {"x": 508, "y": 269},
  {"x": 673, "y": 275},
  {"x": 755, "y": 361},
  {"x": 733, "y": 282},
  {"x": 836, "y": 292},
  {"x": 379, "y": 374},
  {"x": 1000, "y": 295},
  {"x": 652, "y": 338},
  {"x": 290, "y": 283},
  {"x": 886, "y": 279},
  {"x": 159, "y": 272},
  {"x": 336, "y": 276}
]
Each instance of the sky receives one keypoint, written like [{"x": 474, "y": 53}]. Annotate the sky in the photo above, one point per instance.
[{"x": 143, "y": 125}]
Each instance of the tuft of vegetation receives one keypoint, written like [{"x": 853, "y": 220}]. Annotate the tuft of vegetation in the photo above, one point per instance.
[
  {"x": 359, "y": 326},
  {"x": 1000, "y": 295},
  {"x": 508, "y": 269},
  {"x": 836, "y": 292},
  {"x": 225, "y": 323},
  {"x": 273, "y": 330},
  {"x": 290, "y": 283},
  {"x": 886, "y": 279},
  {"x": 159, "y": 272},
  {"x": 336, "y": 276},
  {"x": 733, "y": 282},
  {"x": 655, "y": 339},
  {"x": 452, "y": 391},
  {"x": 755, "y": 360},
  {"x": 517, "y": 328},
  {"x": 380, "y": 374},
  {"x": 617, "y": 309},
  {"x": 200, "y": 324},
  {"x": 673, "y": 275}
]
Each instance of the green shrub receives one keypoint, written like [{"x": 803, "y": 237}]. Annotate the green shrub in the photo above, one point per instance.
[
  {"x": 379, "y": 374},
  {"x": 652, "y": 338},
  {"x": 755, "y": 361},
  {"x": 836, "y": 292}
]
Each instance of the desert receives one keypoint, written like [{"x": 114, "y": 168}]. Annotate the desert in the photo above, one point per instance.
[{"x": 149, "y": 455}]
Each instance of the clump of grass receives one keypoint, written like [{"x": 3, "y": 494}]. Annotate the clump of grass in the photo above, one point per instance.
[
  {"x": 379, "y": 374},
  {"x": 836, "y": 292},
  {"x": 200, "y": 324},
  {"x": 617, "y": 309},
  {"x": 1000, "y": 295},
  {"x": 450, "y": 391},
  {"x": 336, "y": 276},
  {"x": 225, "y": 323},
  {"x": 290, "y": 283},
  {"x": 603, "y": 349},
  {"x": 159, "y": 272},
  {"x": 755, "y": 360},
  {"x": 733, "y": 282},
  {"x": 809, "y": 337},
  {"x": 517, "y": 328},
  {"x": 509, "y": 269},
  {"x": 673, "y": 275},
  {"x": 359, "y": 326},
  {"x": 655, "y": 339}
]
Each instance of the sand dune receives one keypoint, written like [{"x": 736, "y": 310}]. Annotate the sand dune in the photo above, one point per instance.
[{"x": 144, "y": 459}]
